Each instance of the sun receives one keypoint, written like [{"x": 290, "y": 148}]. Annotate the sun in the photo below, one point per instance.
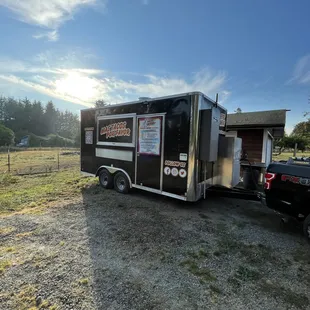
[{"x": 78, "y": 86}]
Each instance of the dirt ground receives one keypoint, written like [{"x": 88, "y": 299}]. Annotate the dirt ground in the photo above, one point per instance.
[{"x": 143, "y": 251}]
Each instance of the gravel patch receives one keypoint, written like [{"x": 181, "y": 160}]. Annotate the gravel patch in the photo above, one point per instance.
[{"x": 142, "y": 251}]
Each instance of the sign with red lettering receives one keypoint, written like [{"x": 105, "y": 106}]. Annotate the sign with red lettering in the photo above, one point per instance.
[
  {"x": 117, "y": 130},
  {"x": 296, "y": 180}
]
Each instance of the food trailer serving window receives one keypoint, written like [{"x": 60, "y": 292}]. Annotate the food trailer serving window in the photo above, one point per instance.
[{"x": 118, "y": 130}]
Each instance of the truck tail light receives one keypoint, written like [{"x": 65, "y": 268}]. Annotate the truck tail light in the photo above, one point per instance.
[{"x": 268, "y": 179}]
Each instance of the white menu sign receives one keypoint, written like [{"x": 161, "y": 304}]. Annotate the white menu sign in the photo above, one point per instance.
[{"x": 149, "y": 135}]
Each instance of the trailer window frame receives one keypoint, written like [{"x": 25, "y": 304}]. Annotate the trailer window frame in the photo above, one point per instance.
[{"x": 116, "y": 116}]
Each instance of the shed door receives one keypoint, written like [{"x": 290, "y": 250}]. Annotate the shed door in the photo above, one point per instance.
[{"x": 149, "y": 156}]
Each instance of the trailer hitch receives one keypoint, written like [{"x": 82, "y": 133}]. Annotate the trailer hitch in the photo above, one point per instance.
[{"x": 238, "y": 193}]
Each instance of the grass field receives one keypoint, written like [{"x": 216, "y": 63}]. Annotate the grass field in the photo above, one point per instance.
[
  {"x": 65, "y": 240},
  {"x": 66, "y": 243},
  {"x": 35, "y": 192},
  {"x": 32, "y": 194},
  {"x": 287, "y": 155},
  {"x": 38, "y": 160}
]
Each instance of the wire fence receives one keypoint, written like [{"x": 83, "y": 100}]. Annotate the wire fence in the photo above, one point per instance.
[{"x": 35, "y": 161}]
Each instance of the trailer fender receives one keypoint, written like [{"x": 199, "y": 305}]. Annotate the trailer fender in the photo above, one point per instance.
[{"x": 113, "y": 170}]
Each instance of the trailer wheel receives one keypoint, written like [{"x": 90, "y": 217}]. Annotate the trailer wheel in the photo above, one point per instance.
[
  {"x": 106, "y": 179},
  {"x": 121, "y": 183},
  {"x": 306, "y": 227}
]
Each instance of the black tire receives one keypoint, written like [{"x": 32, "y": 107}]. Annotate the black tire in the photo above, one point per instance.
[
  {"x": 121, "y": 183},
  {"x": 106, "y": 179},
  {"x": 306, "y": 227}
]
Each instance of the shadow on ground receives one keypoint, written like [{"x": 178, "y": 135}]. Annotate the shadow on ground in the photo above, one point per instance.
[{"x": 138, "y": 242}]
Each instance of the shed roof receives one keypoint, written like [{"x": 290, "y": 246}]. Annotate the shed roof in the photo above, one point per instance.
[{"x": 273, "y": 118}]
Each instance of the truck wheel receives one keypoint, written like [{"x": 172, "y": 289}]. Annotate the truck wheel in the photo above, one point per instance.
[
  {"x": 121, "y": 183},
  {"x": 306, "y": 227},
  {"x": 105, "y": 179}
]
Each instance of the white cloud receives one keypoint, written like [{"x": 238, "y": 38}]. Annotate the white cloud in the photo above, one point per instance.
[
  {"x": 48, "y": 89},
  {"x": 49, "y": 14},
  {"x": 8, "y": 65},
  {"x": 86, "y": 85},
  {"x": 155, "y": 86},
  {"x": 301, "y": 72},
  {"x": 289, "y": 129},
  {"x": 50, "y": 35}
]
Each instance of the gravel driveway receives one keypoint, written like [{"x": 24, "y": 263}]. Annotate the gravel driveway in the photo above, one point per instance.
[{"x": 143, "y": 251}]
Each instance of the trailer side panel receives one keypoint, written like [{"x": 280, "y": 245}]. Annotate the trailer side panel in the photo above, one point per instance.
[{"x": 118, "y": 136}]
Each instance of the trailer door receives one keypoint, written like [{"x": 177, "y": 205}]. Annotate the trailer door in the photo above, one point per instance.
[{"x": 149, "y": 154}]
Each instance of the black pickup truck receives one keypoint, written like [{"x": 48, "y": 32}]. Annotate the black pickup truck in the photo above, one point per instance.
[{"x": 287, "y": 190}]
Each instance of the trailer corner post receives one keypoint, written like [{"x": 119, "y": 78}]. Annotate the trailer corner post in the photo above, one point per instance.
[
  {"x": 204, "y": 179},
  {"x": 192, "y": 180}
]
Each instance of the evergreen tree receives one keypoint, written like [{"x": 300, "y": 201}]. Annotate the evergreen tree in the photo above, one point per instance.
[
  {"x": 50, "y": 117},
  {"x": 37, "y": 122},
  {"x": 24, "y": 117}
]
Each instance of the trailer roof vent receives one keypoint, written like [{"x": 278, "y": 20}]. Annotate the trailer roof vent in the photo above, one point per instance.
[{"x": 144, "y": 98}]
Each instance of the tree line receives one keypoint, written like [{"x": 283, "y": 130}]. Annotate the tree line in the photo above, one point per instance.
[
  {"x": 19, "y": 118},
  {"x": 300, "y": 136}
]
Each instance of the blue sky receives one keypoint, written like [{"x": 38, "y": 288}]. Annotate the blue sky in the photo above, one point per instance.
[{"x": 255, "y": 54}]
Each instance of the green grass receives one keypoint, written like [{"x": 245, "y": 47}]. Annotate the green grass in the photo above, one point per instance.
[
  {"x": 4, "y": 264},
  {"x": 83, "y": 281},
  {"x": 258, "y": 254},
  {"x": 226, "y": 245},
  {"x": 254, "y": 254},
  {"x": 7, "y": 249},
  {"x": 6, "y": 230},
  {"x": 197, "y": 255},
  {"x": 37, "y": 160},
  {"x": 215, "y": 289},
  {"x": 203, "y": 273},
  {"x": 245, "y": 273},
  {"x": 26, "y": 298},
  {"x": 32, "y": 194},
  {"x": 287, "y": 155}
]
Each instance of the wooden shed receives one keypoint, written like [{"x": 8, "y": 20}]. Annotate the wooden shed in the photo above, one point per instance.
[{"x": 257, "y": 130}]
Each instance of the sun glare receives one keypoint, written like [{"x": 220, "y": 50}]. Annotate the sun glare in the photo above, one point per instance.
[{"x": 78, "y": 86}]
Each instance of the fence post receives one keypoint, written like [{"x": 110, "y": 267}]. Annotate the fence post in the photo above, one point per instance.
[
  {"x": 58, "y": 160},
  {"x": 9, "y": 160}
]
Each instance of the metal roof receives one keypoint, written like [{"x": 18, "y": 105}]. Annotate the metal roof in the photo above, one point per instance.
[
  {"x": 273, "y": 118},
  {"x": 147, "y": 99}
]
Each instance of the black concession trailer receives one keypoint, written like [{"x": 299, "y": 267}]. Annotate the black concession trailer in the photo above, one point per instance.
[{"x": 173, "y": 146}]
